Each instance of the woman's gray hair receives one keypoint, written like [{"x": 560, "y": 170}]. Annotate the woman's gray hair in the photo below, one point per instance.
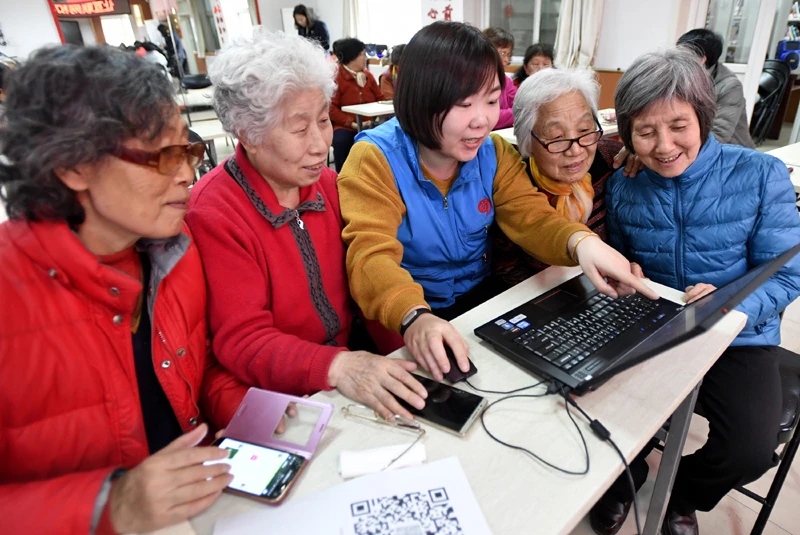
[
  {"x": 665, "y": 75},
  {"x": 255, "y": 76},
  {"x": 544, "y": 87}
]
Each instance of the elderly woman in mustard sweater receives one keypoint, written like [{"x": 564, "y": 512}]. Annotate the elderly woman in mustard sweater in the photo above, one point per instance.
[{"x": 419, "y": 193}]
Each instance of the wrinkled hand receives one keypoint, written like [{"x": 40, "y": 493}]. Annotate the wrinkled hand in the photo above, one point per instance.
[
  {"x": 425, "y": 338},
  {"x": 632, "y": 162},
  {"x": 371, "y": 380},
  {"x": 693, "y": 293},
  {"x": 170, "y": 486},
  {"x": 598, "y": 261}
]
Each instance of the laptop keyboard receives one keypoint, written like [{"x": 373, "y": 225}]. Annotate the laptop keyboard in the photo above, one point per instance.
[{"x": 566, "y": 342}]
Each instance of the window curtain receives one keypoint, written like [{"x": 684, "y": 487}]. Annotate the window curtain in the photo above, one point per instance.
[
  {"x": 351, "y": 18},
  {"x": 578, "y": 32}
]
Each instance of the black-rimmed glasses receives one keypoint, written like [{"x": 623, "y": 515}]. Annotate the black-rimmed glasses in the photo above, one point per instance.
[{"x": 563, "y": 145}]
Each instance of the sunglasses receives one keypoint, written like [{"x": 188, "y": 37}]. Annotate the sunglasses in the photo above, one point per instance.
[{"x": 167, "y": 160}]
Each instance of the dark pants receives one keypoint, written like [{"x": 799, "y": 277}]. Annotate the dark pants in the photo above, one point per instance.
[
  {"x": 741, "y": 398},
  {"x": 342, "y": 143},
  {"x": 479, "y": 294}
]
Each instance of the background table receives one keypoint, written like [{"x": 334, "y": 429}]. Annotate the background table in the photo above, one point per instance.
[
  {"x": 790, "y": 155},
  {"x": 372, "y": 109},
  {"x": 210, "y": 131},
  {"x": 516, "y": 492}
]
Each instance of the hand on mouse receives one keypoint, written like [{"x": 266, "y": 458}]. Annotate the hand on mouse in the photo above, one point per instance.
[{"x": 425, "y": 338}]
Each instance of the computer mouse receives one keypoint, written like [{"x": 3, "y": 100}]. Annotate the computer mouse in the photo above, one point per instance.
[{"x": 455, "y": 374}]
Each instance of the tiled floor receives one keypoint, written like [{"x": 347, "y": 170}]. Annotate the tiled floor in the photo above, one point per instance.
[{"x": 736, "y": 514}]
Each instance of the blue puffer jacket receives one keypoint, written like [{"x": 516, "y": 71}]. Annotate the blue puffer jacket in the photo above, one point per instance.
[{"x": 732, "y": 209}]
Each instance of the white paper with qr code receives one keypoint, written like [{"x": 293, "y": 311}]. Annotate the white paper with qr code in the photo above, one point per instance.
[{"x": 431, "y": 499}]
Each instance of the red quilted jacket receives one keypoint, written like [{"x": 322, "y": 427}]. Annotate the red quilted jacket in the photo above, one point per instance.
[{"x": 68, "y": 391}]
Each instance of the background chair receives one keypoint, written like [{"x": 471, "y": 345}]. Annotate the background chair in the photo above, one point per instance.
[
  {"x": 210, "y": 160},
  {"x": 771, "y": 87}
]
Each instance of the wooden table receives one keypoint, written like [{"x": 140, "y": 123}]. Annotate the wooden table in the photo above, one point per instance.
[
  {"x": 514, "y": 491},
  {"x": 372, "y": 109},
  {"x": 790, "y": 155}
]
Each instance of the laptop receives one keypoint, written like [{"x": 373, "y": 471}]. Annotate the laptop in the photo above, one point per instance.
[{"x": 581, "y": 338}]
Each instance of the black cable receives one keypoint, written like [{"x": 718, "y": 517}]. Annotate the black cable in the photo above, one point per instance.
[
  {"x": 605, "y": 435},
  {"x": 525, "y": 450},
  {"x": 503, "y": 393}
]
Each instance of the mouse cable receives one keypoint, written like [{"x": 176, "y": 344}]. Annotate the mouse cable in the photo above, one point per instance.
[
  {"x": 605, "y": 435},
  {"x": 516, "y": 390},
  {"x": 529, "y": 452}
]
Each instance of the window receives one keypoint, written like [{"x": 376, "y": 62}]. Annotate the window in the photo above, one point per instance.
[
  {"x": 388, "y": 22},
  {"x": 117, "y": 30},
  {"x": 735, "y": 21},
  {"x": 529, "y": 21}
]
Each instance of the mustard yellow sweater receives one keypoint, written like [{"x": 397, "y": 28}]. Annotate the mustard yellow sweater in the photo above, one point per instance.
[{"x": 373, "y": 210}]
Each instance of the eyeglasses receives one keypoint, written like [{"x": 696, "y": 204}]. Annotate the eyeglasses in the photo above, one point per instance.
[
  {"x": 397, "y": 422},
  {"x": 563, "y": 145},
  {"x": 504, "y": 55},
  {"x": 167, "y": 160}
]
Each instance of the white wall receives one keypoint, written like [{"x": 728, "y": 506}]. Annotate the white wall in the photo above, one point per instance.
[
  {"x": 27, "y": 25},
  {"x": 631, "y": 28}
]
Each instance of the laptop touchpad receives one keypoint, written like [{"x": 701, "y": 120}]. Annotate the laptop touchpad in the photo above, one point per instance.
[{"x": 557, "y": 300}]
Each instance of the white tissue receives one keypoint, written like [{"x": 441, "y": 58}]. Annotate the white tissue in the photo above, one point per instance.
[{"x": 362, "y": 462}]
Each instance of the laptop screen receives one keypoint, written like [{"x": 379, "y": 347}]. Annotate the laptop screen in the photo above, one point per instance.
[{"x": 705, "y": 312}]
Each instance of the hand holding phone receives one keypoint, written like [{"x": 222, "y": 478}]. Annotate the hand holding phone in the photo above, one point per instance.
[
  {"x": 448, "y": 408},
  {"x": 170, "y": 486}
]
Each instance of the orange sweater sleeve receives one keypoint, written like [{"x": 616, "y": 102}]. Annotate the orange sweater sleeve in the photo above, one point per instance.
[
  {"x": 524, "y": 214},
  {"x": 372, "y": 210}
]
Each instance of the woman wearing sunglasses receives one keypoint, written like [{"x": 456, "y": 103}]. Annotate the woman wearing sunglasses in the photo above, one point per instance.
[
  {"x": 420, "y": 192},
  {"x": 565, "y": 155},
  {"x": 106, "y": 382}
]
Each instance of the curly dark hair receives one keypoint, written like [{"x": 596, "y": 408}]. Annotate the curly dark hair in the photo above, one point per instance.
[{"x": 71, "y": 105}]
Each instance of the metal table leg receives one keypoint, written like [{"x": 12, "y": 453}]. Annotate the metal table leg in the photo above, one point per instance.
[
  {"x": 359, "y": 125},
  {"x": 673, "y": 449}
]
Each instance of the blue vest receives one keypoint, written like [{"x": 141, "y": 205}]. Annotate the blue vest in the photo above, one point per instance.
[{"x": 446, "y": 245}]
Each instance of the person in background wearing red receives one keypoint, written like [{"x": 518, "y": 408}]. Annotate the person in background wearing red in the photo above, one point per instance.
[
  {"x": 106, "y": 383},
  {"x": 388, "y": 79},
  {"x": 268, "y": 226},
  {"x": 504, "y": 44},
  {"x": 354, "y": 85}
]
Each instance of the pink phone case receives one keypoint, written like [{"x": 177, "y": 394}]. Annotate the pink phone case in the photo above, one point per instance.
[{"x": 258, "y": 416}]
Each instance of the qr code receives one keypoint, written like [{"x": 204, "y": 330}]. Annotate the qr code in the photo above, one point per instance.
[{"x": 416, "y": 513}]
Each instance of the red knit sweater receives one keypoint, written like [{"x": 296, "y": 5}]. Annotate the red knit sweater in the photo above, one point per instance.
[
  {"x": 266, "y": 328},
  {"x": 348, "y": 93}
]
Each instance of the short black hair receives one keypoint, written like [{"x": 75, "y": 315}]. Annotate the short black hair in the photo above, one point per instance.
[
  {"x": 300, "y": 9},
  {"x": 443, "y": 64},
  {"x": 538, "y": 49},
  {"x": 703, "y": 42},
  {"x": 499, "y": 37},
  {"x": 71, "y": 105},
  {"x": 397, "y": 52},
  {"x": 348, "y": 49}
]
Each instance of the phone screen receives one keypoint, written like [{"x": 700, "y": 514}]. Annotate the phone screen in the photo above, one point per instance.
[
  {"x": 257, "y": 470},
  {"x": 447, "y": 407}
]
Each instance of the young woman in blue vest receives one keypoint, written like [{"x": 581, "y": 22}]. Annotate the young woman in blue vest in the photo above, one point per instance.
[{"x": 419, "y": 193}]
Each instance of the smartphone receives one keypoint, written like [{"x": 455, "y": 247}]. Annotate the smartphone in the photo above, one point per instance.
[
  {"x": 260, "y": 473},
  {"x": 448, "y": 408}
]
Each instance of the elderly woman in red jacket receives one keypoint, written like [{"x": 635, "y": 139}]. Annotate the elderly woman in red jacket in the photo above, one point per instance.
[
  {"x": 354, "y": 85},
  {"x": 106, "y": 381},
  {"x": 268, "y": 226}
]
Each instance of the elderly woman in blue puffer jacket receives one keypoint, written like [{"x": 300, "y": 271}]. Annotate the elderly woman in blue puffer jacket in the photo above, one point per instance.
[{"x": 699, "y": 215}]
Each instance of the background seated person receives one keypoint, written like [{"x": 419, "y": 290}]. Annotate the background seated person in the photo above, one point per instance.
[
  {"x": 503, "y": 41},
  {"x": 420, "y": 192},
  {"x": 389, "y": 77},
  {"x": 103, "y": 325},
  {"x": 555, "y": 121},
  {"x": 730, "y": 121},
  {"x": 354, "y": 85},
  {"x": 699, "y": 215},
  {"x": 537, "y": 57},
  {"x": 268, "y": 227}
]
